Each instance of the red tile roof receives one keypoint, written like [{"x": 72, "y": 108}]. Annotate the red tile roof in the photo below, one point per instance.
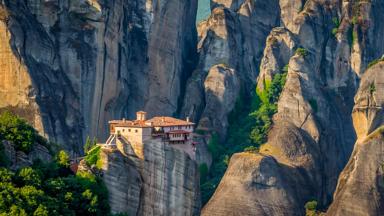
[
  {"x": 125, "y": 123},
  {"x": 164, "y": 121}
]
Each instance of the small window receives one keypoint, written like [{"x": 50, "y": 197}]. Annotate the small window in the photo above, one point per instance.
[
  {"x": 129, "y": 130},
  {"x": 136, "y": 131},
  {"x": 123, "y": 130}
]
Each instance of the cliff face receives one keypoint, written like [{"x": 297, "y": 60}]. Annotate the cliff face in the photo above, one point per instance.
[
  {"x": 153, "y": 179},
  {"x": 312, "y": 136},
  {"x": 362, "y": 180},
  {"x": 233, "y": 39},
  {"x": 70, "y": 66}
]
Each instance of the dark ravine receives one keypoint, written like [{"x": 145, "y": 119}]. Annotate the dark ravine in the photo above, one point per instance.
[{"x": 70, "y": 66}]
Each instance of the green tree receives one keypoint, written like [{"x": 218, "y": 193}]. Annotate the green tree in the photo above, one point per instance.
[
  {"x": 17, "y": 211},
  {"x": 310, "y": 208},
  {"x": 41, "y": 211},
  {"x": 63, "y": 159},
  {"x": 87, "y": 145},
  {"x": 29, "y": 176},
  {"x": 17, "y": 131}
]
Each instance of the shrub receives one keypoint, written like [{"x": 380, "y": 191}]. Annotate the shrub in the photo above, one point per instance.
[
  {"x": 89, "y": 144},
  {"x": 372, "y": 88},
  {"x": 29, "y": 176},
  {"x": 93, "y": 157},
  {"x": 285, "y": 68},
  {"x": 310, "y": 208},
  {"x": 372, "y": 63},
  {"x": 252, "y": 149},
  {"x": 63, "y": 159},
  {"x": 301, "y": 52},
  {"x": 336, "y": 23},
  {"x": 17, "y": 131}
]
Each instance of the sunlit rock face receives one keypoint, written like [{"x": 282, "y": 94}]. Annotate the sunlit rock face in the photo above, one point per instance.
[
  {"x": 233, "y": 36},
  {"x": 73, "y": 65},
  {"x": 161, "y": 181},
  {"x": 313, "y": 134},
  {"x": 360, "y": 190}
]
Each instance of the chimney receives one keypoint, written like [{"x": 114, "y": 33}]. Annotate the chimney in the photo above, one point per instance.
[
  {"x": 162, "y": 119},
  {"x": 123, "y": 119},
  {"x": 188, "y": 119},
  {"x": 141, "y": 116}
]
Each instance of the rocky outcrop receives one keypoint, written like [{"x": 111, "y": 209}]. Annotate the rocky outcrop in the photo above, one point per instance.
[
  {"x": 73, "y": 65},
  {"x": 160, "y": 181},
  {"x": 19, "y": 159},
  {"x": 312, "y": 135},
  {"x": 123, "y": 181},
  {"x": 233, "y": 36},
  {"x": 360, "y": 190}
]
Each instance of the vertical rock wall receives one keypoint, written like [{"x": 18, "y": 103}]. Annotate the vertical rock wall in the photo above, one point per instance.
[
  {"x": 85, "y": 62},
  {"x": 312, "y": 136},
  {"x": 165, "y": 181}
]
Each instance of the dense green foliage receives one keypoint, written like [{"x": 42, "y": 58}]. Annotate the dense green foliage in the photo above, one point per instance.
[
  {"x": 89, "y": 144},
  {"x": 45, "y": 188},
  {"x": 93, "y": 157},
  {"x": 51, "y": 189},
  {"x": 249, "y": 124},
  {"x": 16, "y": 130}
]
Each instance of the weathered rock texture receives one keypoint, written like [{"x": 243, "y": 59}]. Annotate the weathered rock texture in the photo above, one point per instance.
[
  {"x": 233, "y": 39},
  {"x": 161, "y": 181},
  {"x": 19, "y": 159},
  {"x": 70, "y": 66},
  {"x": 312, "y": 136},
  {"x": 360, "y": 190}
]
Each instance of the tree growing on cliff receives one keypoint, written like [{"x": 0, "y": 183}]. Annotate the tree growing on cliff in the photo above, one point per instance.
[
  {"x": 89, "y": 144},
  {"x": 17, "y": 131}
]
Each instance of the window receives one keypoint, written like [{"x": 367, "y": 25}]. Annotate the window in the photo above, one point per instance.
[
  {"x": 136, "y": 131},
  {"x": 129, "y": 130},
  {"x": 123, "y": 130},
  {"x": 179, "y": 127}
]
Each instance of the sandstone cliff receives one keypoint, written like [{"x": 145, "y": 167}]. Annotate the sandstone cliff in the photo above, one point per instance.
[
  {"x": 70, "y": 66},
  {"x": 312, "y": 136},
  {"x": 153, "y": 179},
  {"x": 360, "y": 190},
  {"x": 232, "y": 38}
]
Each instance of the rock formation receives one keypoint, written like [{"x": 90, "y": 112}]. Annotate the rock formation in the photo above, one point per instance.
[
  {"x": 312, "y": 135},
  {"x": 70, "y": 66},
  {"x": 360, "y": 190},
  {"x": 20, "y": 159},
  {"x": 160, "y": 181},
  {"x": 232, "y": 37}
]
